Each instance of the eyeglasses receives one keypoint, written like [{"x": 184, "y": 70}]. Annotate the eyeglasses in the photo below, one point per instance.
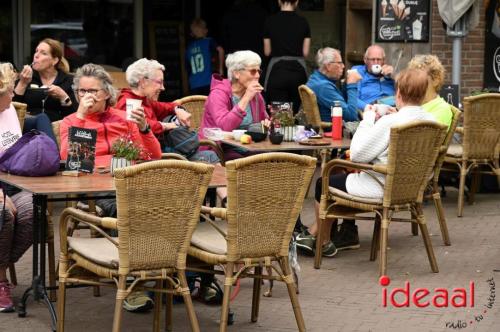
[
  {"x": 82, "y": 92},
  {"x": 157, "y": 81},
  {"x": 375, "y": 59},
  {"x": 337, "y": 62},
  {"x": 254, "y": 71}
]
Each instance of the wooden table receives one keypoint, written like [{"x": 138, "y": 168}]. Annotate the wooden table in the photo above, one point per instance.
[
  {"x": 267, "y": 146},
  {"x": 67, "y": 188}
]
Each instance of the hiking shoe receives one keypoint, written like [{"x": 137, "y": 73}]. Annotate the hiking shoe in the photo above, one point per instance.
[
  {"x": 138, "y": 302},
  {"x": 329, "y": 249},
  {"x": 6, "y": 304},
  {"x": 306, "y": 241},
  {"x": 347, "y": 237}
]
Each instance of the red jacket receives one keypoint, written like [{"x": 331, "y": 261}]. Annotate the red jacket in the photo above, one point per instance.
[
  {"x": 155, "y": 110},
  {"x": 110, "y": 125}
]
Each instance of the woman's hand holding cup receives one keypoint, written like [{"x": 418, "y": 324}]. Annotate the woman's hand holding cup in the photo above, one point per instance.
[{"x": 26, "y": 75}]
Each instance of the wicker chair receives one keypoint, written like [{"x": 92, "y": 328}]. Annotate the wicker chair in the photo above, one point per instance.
[
  {"x": 413, "y": 150},
  {"x": 21, "y": 110},
  {"x": 311, "y": 110},
  {"x": 196, "y": 106},
  {"x": 158, "y": 208},
  {"x": 480, "y": 145},
  {"x": 119, "y": 79},
  {"x": 433, "y": 186},
  {"x": 265, "y": 196}
]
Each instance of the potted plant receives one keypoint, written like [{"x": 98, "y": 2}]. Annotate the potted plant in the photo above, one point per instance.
[
  {"x": 125, "y": 152},
  {"x": 286, "y": 122}
]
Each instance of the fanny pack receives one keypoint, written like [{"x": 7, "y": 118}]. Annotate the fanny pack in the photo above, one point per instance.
[{"x": 34, "y": 154}]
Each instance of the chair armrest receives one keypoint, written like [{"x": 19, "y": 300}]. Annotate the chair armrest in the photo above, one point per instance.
[
  {"x": 89, "y": 219},
  {"x": 216, "y": 147},
  {"x": 325, "y": 124},
  {"x": 171, "y": 155}
]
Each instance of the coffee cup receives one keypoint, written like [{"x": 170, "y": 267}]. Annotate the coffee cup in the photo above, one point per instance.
[
  {"x": 237, "y": 133},
  {"x": 131, "y": 104},
  {"x": 382, "y": 109},
  {"x": 376, "y": 69}
]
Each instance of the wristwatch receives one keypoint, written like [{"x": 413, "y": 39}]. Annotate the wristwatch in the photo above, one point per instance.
[
  {"x": 66, "y": 101},
  {"x": 147, "y": 130}
]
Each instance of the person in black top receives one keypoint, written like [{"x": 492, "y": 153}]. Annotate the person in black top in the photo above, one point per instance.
[
  {"x": 287, "y": 39},
  {"x": 45, "y": 85}
]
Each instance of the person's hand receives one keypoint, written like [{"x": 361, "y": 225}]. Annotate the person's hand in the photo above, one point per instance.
[
  {"x": 168, "y": 125},
  {"x": 183, "y": 116},
  {"x": 370, "y": 112},
  {"x": 57, "y": 92},
  {"x": 26, "y": 75},
  {"x": 266, "y": 123},
  {"x": 137, "y": 116},
  {"x": 352, "y": 77},
  {"x": 392, "y": 110},
  {"x": 387, "y": 70},
  {"x": 86, "y": 102},
  {"x": 253, "y": 89}
]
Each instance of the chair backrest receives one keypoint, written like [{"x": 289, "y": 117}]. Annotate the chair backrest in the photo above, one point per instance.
[
  {"x": 196, "y": 106},
  {"x": 447, "y": 141},
  {"x": 57, "y": 132},
  {"x": 481, "y": 126},
  {"x": 158, "y": 207},
  {"x": 265, "y": 196},
  {"x": 119, "y": 79},
  {"x": 310, "y": 106},
  {"x": 21, "y": 112},
  {"x": 413, "y": 150}
]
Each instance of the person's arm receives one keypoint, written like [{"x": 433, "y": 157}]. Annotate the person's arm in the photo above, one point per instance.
[
  {"x": 25, "y": 77},
  {"x": 223, "y": 117},
  {"x": 350, "y": 113},
  {"x": 306, "y": 46},
  {"x": 149, "y": 142},
  {"x": 160, "y": 111},
  {"x": 267, "y": 46}
]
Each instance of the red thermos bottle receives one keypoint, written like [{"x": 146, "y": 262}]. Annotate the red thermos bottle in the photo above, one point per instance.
[{"x": 336, "y": 121}]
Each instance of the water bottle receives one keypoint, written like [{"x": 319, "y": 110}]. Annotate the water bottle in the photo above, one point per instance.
[{"x": 336, "y": 121}]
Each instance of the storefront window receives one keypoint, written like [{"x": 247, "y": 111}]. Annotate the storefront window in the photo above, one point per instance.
[
  {"x": 98, "y": 31},
  {"x": 6, "y": 43}
]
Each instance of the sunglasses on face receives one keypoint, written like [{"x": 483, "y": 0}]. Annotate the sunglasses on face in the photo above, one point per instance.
[{"x": 254, "y": 71}]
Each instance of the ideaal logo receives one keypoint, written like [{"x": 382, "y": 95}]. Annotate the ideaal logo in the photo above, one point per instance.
[{"x": 438, "y": 298}]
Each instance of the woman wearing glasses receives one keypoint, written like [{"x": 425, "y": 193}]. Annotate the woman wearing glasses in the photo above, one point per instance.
[
  {"x": 235, "y": 102},
  {"x": 96, "y": 96},
  {"x": 45, "y": 85}
]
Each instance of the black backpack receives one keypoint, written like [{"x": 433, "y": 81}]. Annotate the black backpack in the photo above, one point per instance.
[{"x": 181, "y": 140}]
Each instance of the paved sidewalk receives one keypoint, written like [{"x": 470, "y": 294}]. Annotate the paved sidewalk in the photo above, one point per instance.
[{"x": 344, "y": 295}]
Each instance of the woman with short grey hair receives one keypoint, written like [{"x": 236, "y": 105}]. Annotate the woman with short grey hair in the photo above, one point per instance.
[
  {"x": 237, "y": 102},
  {"x": 142, "y": 68},
  {"x": 99, "y": 73}
]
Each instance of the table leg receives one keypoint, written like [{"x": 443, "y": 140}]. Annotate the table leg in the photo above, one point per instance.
[{"x": 37, "y": 288}]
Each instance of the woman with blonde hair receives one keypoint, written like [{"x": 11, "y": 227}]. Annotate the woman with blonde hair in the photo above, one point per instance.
[
  {"x": 17, "y": 205},
  {"x": 45, "y": 84},
  {"x": 433, "y": 103}
]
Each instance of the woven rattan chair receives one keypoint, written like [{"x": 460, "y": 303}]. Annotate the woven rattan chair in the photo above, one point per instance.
[
  {"x": 311, "y": 110},
  {"x": 265, "y": 196},
  {"x": 413, "y": 150},
  {"x": 196, "y": 106},
  {"x": 21, "y": 110},
  {"x": 433, "y": 186},
  {"x": 480, "y": 146},
  {"x": 158, "y": 208}
]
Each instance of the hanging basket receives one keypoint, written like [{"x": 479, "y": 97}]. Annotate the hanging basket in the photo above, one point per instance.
[{"x": 119, "y": 163}]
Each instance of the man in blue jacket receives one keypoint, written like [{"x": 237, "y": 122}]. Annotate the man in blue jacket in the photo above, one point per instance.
[
  {"x": 323, "y": 83},
  {"x": 377, "y": 84}
]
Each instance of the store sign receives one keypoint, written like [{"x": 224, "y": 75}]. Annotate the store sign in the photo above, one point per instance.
[
  {"x": 492, "y": 47},
  {"x": 403, "y": 20}
]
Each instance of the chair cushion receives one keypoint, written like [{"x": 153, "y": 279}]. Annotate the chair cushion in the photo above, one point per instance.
[
  {"x": 345, "y": 195},
  {"x": 206, "y": 237},
  {"x": 455, "y": 150},
  {"x": 98, "y": 250}
]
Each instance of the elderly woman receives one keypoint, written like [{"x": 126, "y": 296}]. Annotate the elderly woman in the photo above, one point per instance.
[
  {"x": 236, "y": 102},
  {"x": 369, "y": 145},
  {"x": 18, "y": 204},
  {"x": 96, "y": 94},
  {"x": 433, "y": 103},
  {"x": 145, "y": 78},
  {"x": 49, "y": 69}
]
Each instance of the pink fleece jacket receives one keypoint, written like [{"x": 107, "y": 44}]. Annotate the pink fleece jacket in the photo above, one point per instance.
[{"x": 220, "y": 111}]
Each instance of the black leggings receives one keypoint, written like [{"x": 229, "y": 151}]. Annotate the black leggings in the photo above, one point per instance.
[{"x": 336, "y": 181}]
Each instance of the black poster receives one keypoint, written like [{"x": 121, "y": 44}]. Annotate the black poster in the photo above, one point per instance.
[
  {"x": 449, "y": 92},
  {"x": 403, "y": 20},
  {"x": 492, "y": 47}
]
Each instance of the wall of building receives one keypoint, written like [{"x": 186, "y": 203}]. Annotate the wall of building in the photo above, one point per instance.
[{"x": 472, "y": 52}]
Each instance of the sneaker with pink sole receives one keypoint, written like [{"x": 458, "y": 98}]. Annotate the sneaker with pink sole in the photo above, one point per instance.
[{"x": 6, "y": 304}]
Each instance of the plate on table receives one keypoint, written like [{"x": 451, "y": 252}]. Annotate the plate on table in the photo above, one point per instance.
[{"x": 314, "y": 142}]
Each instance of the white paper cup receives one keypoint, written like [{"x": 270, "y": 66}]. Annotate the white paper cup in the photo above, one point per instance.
[
  {"x": 132, "y": 104},
  {"x": 382, "y": 109}
]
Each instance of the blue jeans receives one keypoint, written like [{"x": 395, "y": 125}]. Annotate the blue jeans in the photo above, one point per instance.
[{"x": 40, "y": 122}]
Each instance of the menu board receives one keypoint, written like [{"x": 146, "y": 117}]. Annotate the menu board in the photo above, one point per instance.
[
  {"x": 402, "y": 20},
  {"x": 167, "y": 46}
]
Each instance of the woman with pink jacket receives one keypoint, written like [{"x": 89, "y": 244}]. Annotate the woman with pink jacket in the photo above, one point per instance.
[{"x": 235, "y": 102}]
